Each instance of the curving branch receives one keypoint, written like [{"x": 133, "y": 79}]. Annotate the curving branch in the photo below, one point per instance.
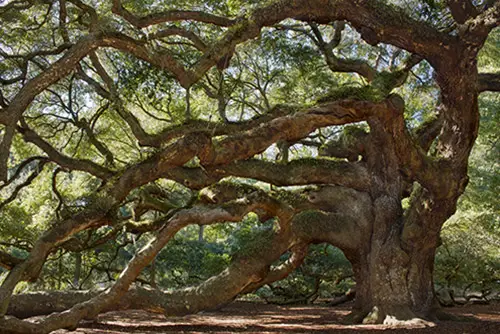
[
  {"x": 247, "y": 271},
  {"x": 97, "y": 212},
  {"x": 289, "y": 128},
  {"x": 53, "y": 154},
  {"x": 19, "y": 169},
  {"x": 277, "y": 273},
  {"x": 24, "y": 184},
  {"x": 212, "y": 128},
  {"x": 337, "y": 64},
  {"x": 235, "y": 278}
]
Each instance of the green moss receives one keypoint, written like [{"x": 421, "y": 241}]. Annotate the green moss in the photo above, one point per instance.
[
  {"x": 386, "y": 81},
  {"x": 381, "y": 86},
  {"x": 285, "y": 109},
  {"x": 291, "y": 197},
  {"x": 372, "y": 317},
  {"x": 225, "y": 191},
  {"x": 100, "y": 202},
  {"x": 309, "y": 223},
  {"x": 254, "y": 243}
]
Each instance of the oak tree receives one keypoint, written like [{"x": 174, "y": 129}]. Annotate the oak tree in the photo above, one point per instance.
[{"x": 356, "y": 117}]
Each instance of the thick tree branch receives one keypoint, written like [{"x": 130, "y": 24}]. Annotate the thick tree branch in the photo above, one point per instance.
[
  {"x": 30, "y": 268},
  {"x": 277, "y": 273},
  {"x": 297, "y": 172},
  {"x": 379, "y": 21},
  {"x": 212, "y": 128},
  {"x": 245, "y": 272},
  {"x": 96, "y": 213},
  {"x": 382, "y": 22},
  {"x": 476, "y": 29},
  {"x": 289, "y": 128},
  {"x": 174, "y": 155},
  {"x": 8, "y": 261},
  {"x": 236, "y": 277},
  {"x": 489, "y": 82},
  {"x": 413, "y": 158},
  {"x": 462, "y": 10}
]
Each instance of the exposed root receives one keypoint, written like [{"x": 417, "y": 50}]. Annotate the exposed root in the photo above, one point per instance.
[
  {"x": 348, "y": 296},
  {"x": 354, "y": 318},
  {"x": 398, "y": 316}
]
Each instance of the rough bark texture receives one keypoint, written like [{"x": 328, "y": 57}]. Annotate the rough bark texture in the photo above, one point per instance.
[{"x": 358, "y": 207}]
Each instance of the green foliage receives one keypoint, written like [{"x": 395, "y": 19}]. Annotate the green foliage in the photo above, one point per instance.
[
  {"x": 469, "y": 256},
  {"x": 324, "y": 273},
  {"x": 187, "y": 262},
  {"x": 490, "y": 53},
  {"x": 249, "y": 236}
]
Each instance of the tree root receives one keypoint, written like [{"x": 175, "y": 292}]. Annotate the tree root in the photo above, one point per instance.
[
  {"x": 348, "y": 296},
  {"x": 397, "y": 316}
]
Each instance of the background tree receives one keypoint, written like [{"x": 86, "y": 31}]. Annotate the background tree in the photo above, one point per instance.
[{"x": 126, "y": 124}]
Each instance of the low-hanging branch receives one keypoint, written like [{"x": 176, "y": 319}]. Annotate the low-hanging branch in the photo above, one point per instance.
[
  {"x": 246, "y": 272},
  {"x": 233, "y": 211},
  {"x": 296, "y": 172}
]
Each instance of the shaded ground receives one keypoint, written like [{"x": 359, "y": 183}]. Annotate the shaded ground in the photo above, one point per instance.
[{"x": 260, "y": 318}]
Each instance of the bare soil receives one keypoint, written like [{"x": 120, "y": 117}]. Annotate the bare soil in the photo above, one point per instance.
[{"x": 263, "y": 318}]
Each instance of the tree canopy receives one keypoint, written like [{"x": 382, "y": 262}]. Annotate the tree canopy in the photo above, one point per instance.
[{"x": 278, "y": 124}]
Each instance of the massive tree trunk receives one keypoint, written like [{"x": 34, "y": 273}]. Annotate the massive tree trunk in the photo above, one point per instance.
[
  {"x": 360, "y": 210},
  {"x": 393, "y": 285}
]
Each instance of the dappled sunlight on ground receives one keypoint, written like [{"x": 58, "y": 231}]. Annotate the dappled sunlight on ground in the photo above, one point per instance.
[{"x": 261, "y": 318}]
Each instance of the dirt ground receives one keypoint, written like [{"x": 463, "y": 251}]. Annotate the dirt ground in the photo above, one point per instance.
[{"x": 249, "y": 317}]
